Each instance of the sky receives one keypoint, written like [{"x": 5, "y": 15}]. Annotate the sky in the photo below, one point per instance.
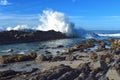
[{"x": 88, "y": 14}]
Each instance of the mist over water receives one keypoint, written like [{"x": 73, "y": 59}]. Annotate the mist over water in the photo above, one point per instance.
[{"x": 53, "y": 20}]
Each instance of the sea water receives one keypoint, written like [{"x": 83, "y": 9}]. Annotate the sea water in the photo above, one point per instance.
[{"x": 51, "y": 46}]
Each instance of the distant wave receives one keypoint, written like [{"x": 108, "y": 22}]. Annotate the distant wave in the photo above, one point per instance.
[{"x": 110, "y": 35}]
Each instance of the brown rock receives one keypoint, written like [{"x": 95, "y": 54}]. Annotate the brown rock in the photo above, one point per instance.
[
  {"x": 40, "y": 58},
  {"x": 107, "y": 60},
  {"x": 93, "y": 56}
]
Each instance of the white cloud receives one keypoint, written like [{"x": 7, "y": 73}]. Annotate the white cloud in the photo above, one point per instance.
[{"x": 4, "y": 2}]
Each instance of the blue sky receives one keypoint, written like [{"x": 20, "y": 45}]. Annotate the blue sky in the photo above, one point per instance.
[{"x": 88, "y": 14}]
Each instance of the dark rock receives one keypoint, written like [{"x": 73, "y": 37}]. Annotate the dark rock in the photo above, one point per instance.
[
  {"x": 58, "y": 52},
  {"x": 8, "y": 37},
  {"x": 54, "y": 73},
  {"x": 104, "y": 66},
  {"x": 60, "y": 46},
  {"x": 3, "y": 65},
  {"x": 71, "y": 75},
  {"x": 47, "y": 52},
  {"x": 7, "y": 73},
  {"x": 58, "y": 58},
  {"x": 10, "y": 50}
]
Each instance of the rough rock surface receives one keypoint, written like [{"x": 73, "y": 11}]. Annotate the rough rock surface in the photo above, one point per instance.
[{"x": 9, "y": 37}]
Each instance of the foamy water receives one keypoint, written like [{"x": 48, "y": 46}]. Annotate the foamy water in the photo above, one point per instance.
[{"x": 110, "y": 35}]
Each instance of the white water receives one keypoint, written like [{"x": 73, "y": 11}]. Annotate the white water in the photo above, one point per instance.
[
  {"x": 58, "y": 21},
  {"x": 110, "y": 35}
]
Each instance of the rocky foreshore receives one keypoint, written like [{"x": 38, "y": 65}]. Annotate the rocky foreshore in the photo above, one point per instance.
[
  {"x": 76, "y": 63},
  {"x": 10, "y": 37}
]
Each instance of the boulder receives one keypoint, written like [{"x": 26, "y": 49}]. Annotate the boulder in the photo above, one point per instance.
[{"x": 40, "y": 58}]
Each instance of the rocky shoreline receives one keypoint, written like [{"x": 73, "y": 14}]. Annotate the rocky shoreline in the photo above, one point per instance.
[
  {"x": 10, "y": 37},
  {"x": 76, "y": 63}
]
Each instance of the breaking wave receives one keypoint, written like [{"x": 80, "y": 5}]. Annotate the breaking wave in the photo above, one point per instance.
[
  {"x": 110, "y": 35},
  {"x": 58, "y": 21}
]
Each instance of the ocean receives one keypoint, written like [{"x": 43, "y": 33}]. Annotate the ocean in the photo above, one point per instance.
[{"x": 46, "y": 47}]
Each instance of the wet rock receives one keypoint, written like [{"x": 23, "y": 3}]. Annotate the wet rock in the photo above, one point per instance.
[
  {"x": 7, "y": 73},
  {"x": 10, "y": 50},
  {"x": 40, "y": 58},
  {"x": 47, "y": 52},
  {"x": 58, "y": 52},
  {"x": 3, "y": 65},
  {"x": 60, "y": 46}
]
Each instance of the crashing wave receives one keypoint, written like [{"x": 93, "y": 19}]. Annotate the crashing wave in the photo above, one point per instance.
[{"x": 58, "y": 21}]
